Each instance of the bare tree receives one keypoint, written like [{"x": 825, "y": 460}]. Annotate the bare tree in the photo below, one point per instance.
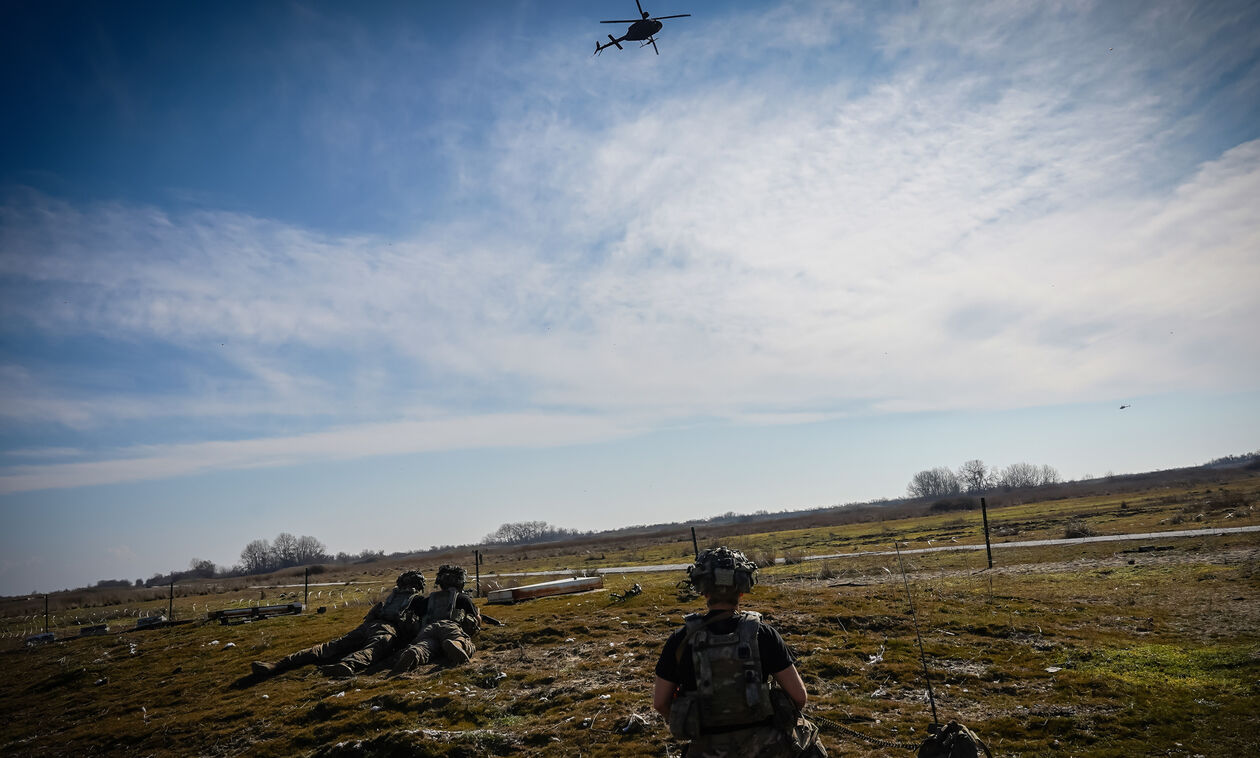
[
  {"x": 309, "y": 550},
  {"x": 257, "y": 557},
  {"x": 936, "y": 482},
  {"x": 285, "y": 549},
  {"x": 1048, "y": 475},
  {"x": 520, "y": 532},
  {"x": 1019, "y": 475},
  {"x": 974, "y": 476},
  {"x": 201, "y": 568}
]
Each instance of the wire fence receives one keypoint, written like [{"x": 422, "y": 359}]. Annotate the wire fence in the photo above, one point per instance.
[{"x": 17, "y": 628}]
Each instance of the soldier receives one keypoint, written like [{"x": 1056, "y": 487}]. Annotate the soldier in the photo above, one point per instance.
[
  {"x": 395, "y": 618},
  {"x": 450, "y": 622},
  {"x": 713, "y": 679}
]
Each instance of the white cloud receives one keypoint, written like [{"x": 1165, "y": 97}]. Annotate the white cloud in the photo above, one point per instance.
[
  {"x": 999, "y": 230},
  {"x": 522, "y": 430}
]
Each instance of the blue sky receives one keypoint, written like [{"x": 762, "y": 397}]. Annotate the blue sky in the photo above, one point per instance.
[{"x": 393, "y": 274}]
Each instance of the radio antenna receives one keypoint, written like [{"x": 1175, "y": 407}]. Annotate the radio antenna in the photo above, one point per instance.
[{"x": 915, "y": 615}]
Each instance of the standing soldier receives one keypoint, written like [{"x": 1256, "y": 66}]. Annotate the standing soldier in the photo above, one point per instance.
[
  {"x": 450, "y": 622},
  {"x": 390, "y": 621},
  {"x": 713, "y": 679}
]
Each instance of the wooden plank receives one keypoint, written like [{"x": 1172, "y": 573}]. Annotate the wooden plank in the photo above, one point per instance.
[{"x": 545, "y": 589}]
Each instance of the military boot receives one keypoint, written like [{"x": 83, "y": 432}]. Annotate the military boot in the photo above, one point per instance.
[
  {"x": 410, "y": 659},
  {"x": 454, "y": 652}
]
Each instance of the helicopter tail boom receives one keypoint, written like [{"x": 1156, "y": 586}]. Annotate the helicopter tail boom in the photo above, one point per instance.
[{"x": 612, "y": 41}]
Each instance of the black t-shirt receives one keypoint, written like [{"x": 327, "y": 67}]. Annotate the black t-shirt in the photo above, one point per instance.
[{"x": 774, "y": 652}]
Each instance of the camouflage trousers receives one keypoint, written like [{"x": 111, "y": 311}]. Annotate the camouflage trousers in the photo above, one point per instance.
[
  {"x": 760, "y": 742},
  {"x": 359, "y": 648},
  {"x": 444, "y": 641}
]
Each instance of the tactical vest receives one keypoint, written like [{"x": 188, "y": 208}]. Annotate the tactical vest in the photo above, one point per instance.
[
  {"x": 396, "y": 604},
  {"x": 442, "y": 606},
  {"x": 730, "y": 685}
]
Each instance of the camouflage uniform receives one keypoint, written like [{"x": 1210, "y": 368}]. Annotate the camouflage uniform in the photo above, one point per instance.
[
  {"x": 718, "y": 668},
  {"x": 449, "y": 624},
  {"x": 395, "y": 618},
  {"x": 759, "y": 742}
]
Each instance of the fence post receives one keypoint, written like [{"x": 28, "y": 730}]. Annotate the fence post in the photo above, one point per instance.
[
  {"x": 694, "y": 546},
  {"x": 45, "y": 614},
  {"x": 477, "y": 568},
  {"x": 984, "y": 511},
  {"x": 306, "y": 593},
  {"x": 170, "y": 608}
]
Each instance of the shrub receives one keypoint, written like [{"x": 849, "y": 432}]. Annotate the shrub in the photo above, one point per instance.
[
  {"x": 763, "y": 558},
  {"x": 1077, "y": 528}
]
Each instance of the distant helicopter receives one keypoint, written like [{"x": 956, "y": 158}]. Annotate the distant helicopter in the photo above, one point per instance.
[{"x": 643, "y": 28}]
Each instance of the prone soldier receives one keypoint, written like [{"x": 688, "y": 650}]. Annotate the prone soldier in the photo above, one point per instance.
[
  {"x": 395, "y": 618},
  {"x": 450, "y": 622}
]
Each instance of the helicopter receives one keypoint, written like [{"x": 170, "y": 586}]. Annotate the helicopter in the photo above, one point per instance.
[{"x": 642, "y": 28}]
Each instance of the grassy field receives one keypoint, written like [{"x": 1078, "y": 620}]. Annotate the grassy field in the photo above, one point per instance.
[{"x": 1083, "y": 649}]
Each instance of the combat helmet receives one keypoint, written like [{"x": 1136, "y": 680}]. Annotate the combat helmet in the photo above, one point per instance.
[
  {"x": 411, "y": 579},
  {"x": 451, "y": 577},
  {"x": 722, "y": 569}
]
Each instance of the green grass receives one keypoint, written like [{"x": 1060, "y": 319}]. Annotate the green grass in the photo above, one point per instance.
[
  {"x": 1227, "y": 670},
  {"x": 1160, "y": 656}
]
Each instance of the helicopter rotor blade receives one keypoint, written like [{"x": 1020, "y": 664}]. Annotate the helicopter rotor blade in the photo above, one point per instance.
[
  {"x": 623, "y": 21},
  {"x": 654, "y": 47},
  {"x": 640, "y": 7},
  {"x": 678, "y": 15}
]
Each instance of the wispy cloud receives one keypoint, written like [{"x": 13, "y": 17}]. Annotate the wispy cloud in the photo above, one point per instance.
[
  {"x": 1023, "y": 223},
  {"x": 522, "y": 430}
]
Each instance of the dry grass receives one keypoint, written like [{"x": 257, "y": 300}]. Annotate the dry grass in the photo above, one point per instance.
[{"x": 1084, "y": 650}]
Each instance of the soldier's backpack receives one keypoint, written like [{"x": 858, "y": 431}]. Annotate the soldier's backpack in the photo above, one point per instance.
[
  {"x": 953, "y": 741},
  {"x": 730, "y": 685},
  {"x": 442, "y": 606},
  {"x": 396, "y": 604}
]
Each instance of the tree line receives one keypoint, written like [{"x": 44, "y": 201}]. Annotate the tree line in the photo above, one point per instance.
[
  {"x": 525, "y": 532},
  {"x": 975, "y": 477},
  {"x": 258, "y": 557},
  {"x": 286, "y": 551}
]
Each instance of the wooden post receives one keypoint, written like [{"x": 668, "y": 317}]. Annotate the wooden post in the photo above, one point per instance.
[
  {"x": 45, "y": 614},
  {"x": 694, "y": 546},
  {"x": 477, "y": 568},
  {"x": 306, "y": 596},
  {"x": 170, "y": 609},
  {"x": 988, "y": 548}
]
